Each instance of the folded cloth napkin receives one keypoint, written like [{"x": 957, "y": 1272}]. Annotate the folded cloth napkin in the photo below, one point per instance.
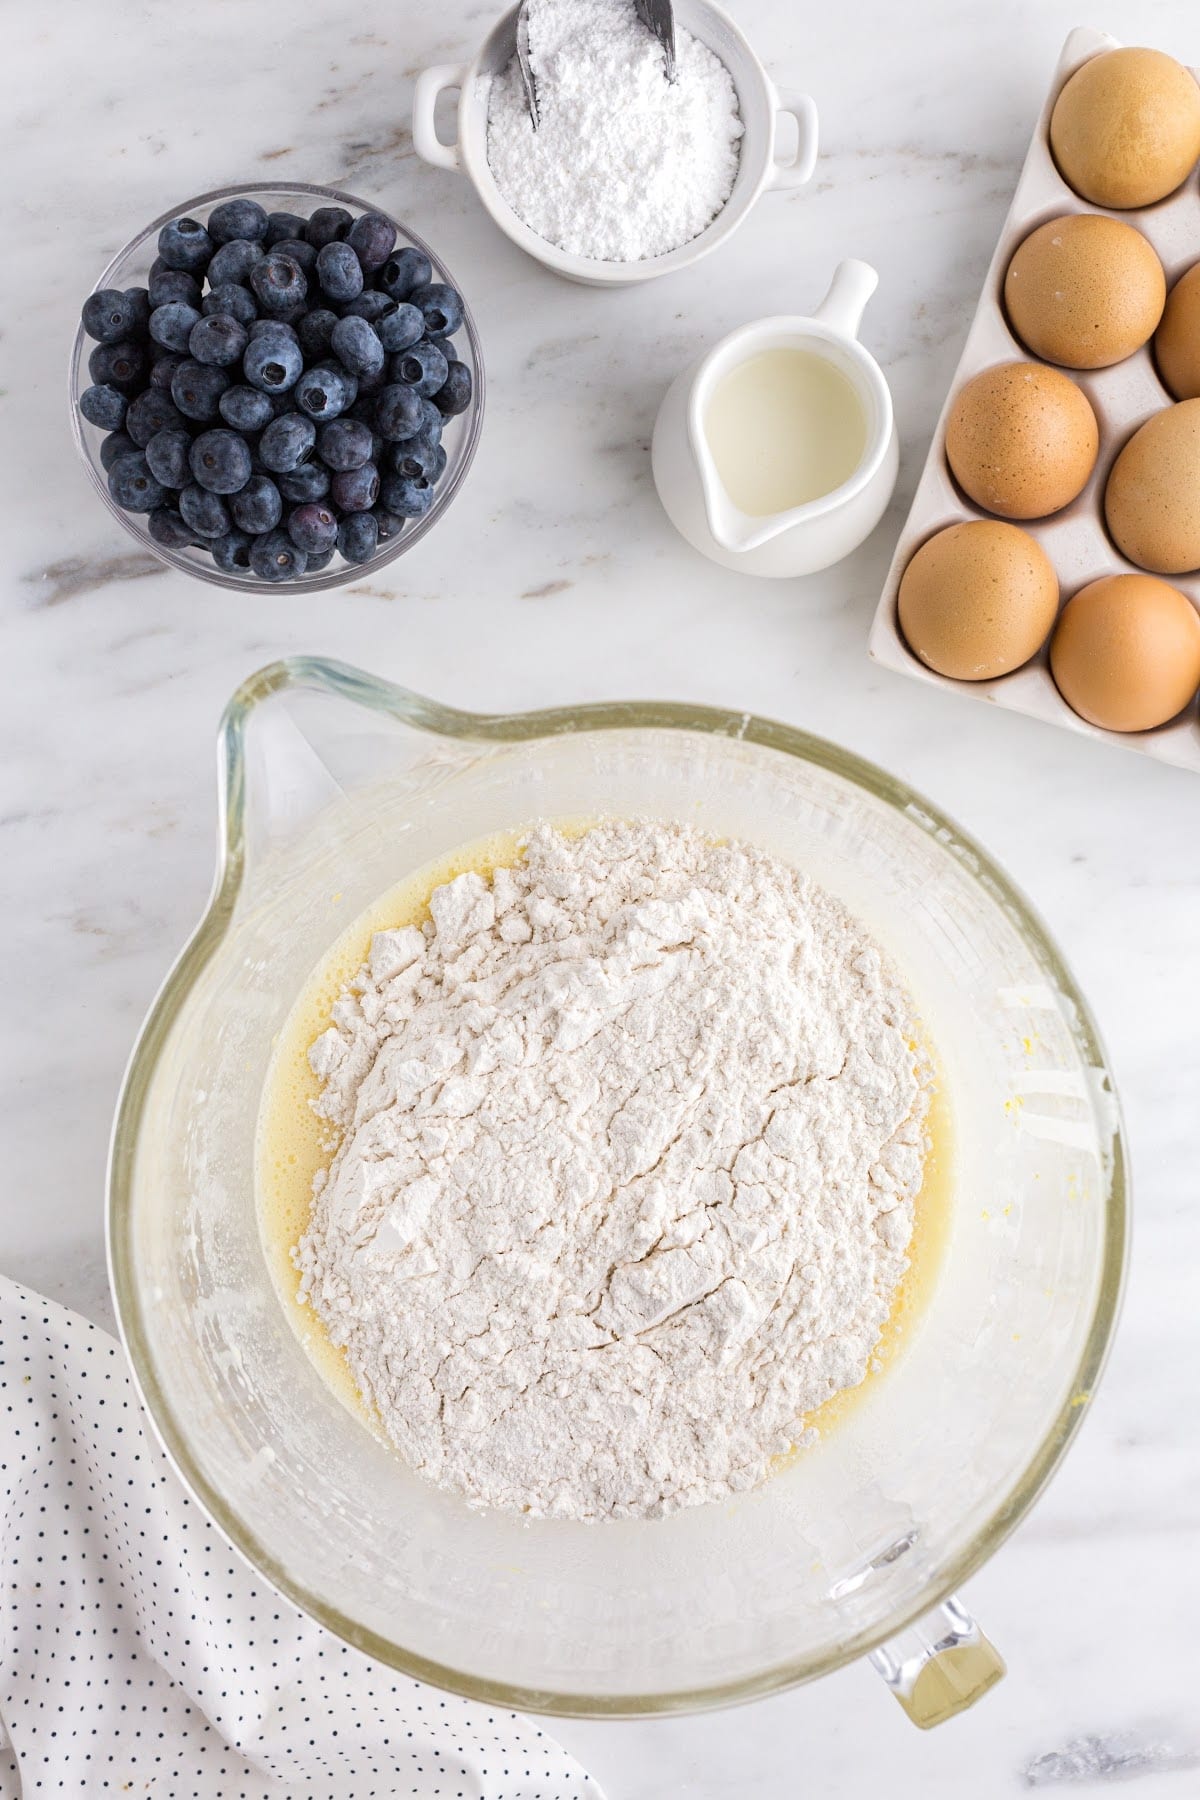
[{"x": 139, "y": 1655}]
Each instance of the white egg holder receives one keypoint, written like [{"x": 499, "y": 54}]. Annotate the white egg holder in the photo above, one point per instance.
[{"x": 1123, "y": 397}]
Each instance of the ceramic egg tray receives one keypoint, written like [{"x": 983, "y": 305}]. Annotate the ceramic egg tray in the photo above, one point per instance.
[{"x": 1123, "y": 397}]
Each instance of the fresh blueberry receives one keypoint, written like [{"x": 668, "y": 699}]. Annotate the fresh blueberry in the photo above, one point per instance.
[
  {"x": 184, "y": 244},
  {"x": 258, "y": 506},
  {"x": 369, "y": 385},
  {"x": 388, "y": 524},
  {"x": 356, "y": 345},
  {"x": 326, "y": 391},
  {"x": 232, "y": 552},
  {"x": 400, "y": 328},
  {"x": 429, "y": 431},
  {"x": 283, "y": 225},
  {"x": 313, "y": 527},
  {"x": 276, "y": 328},
  {"x": 300, "y": 252},
  {"x": 454, "y": 395},
  {"x": 132, "y": 485},
  {"x": 344, "y": 444},
  {"x": 315, "y": 332},
  {"x": 245, "y": 408},
  {"x": 121, "y": 366},
  {"x": 339, "y": 272},
  {"x": 233, "y": 262},
  {"x": 274, "y": 557},
  {"x": 370, "y": 305},
  {"x": 162, "y": 374},
  {"x": 205, "y": 512},
  {"x": 355, "y": 490},
  {"x": 278, "y": 283},
  {"x": 106, "y": 406},
  {"x": 422, "y": 368},
  {"x": 218, "y": 341},
  {"x": 171, "y": 325},
  {"x": 281, "y": 403},
  {"x": 415, "y": 461},
  {"x": 327, "y": 225},
  {"x": 220, "y": 461},
  {"x": 398, "y": 411},
  {"x": 287, "y": 442},
  {"x": 197, "y": 390},
  {"x": 308, "y": 482},
  {"x": 117, "y": 443},
  {"x": 233, "y": 301},
  {"x": 358, "y": 537},
  {"x": 317, "y": 563},
  {"x": 170, "y": 529},
  {"x": 409, "y": 497},
  {"x": 272, "y": 363},
  {"x": 372, "y": 238},
  {"x": 237, "y": 218},
  {"x": 407, "y": 270},
  {"x": 153, "y": 411},
  {"x": 446, "y": 346},
  {"x": 167, "y": 455},
  {"x": 442, "y": 307},
  {"x": 166, "y": 285},
  {"x": 109, "y": 316},
  {"x": 139, "y": 301}
]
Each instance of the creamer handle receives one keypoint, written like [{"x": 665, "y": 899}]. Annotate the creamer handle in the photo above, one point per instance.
[
  {"x": 941, "y": 1664},
  {"x": 852, "y": 286}
]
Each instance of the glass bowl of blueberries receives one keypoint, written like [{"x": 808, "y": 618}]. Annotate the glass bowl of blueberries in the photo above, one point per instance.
[{"x": 276, "y": 386}]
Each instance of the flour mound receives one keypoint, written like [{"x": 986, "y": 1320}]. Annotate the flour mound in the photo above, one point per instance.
[{"x": 629, "y": 1143}]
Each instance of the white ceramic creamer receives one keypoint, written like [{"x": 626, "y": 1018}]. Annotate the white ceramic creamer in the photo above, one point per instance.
[{"x": 704, "y": 439}]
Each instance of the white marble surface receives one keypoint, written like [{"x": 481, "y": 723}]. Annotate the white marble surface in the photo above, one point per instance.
[{"x": 556, "y": 578}]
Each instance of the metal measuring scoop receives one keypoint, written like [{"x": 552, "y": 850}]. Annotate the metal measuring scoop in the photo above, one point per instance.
[{"x": 658, "y": 16}]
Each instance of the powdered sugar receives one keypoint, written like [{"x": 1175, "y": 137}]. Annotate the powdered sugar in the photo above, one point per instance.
[
  {"x": 625, "y": 165},
  {"x": 630, "y": 1138}
]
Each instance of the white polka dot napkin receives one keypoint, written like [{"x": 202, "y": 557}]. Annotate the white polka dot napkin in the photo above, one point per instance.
[{"x": 140, "y": 1656}]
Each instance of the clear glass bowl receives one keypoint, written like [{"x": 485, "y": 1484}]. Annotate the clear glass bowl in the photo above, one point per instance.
[
  {"x": 130, "y": 268},
  {"x": 334, "y": 786}
]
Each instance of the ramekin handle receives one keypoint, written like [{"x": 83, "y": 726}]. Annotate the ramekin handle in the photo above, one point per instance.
[
  {"x": 940, "y": 1665},
  {"x": 803, "y": 109},
  {"x": 426, "y": 142}
]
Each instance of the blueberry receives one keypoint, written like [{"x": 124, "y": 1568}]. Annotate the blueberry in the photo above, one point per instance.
[
  {"x": 184, "y": 244},
  {"x": 258, "y": 506},
  {"x": 355, "y": 490},
  {"x": 400, "y": 328},
  {"x": 402, "y": 273},
  {"x": 121, "y": 365},
  {"x": 326, "y": 390},
  {"x": 398, "y": 411},
  {"x": 339, "y": 272},
  {"x": 429, "y": 431},
  {"x": 237, "y": 218},
  {"x": 104, "y": 406},
  {"x": 132, "y": 485},
  {"x": 205, "y": 512},
  {"x": 109, "y": 316},
  {"x": 415, "y": 461},
  {"x": 274, "y": 557},
  {"x": 442, "y": 307},
  {"x": 166, "y": 285},
  {"x": 358, "y": 537},
  {"x": 315, "y": 332},
  {"x": 162, "y": 373},
  {"x": 282, "y": 225},
  {"x": 152, "y": 412},
  {"x": 308, "y": 482},
  {"x": 272, "y": 363},
  {"x": 313, "y": 527},
  {"x": 277, "y": 282},
  {"x": 171, "y": 325},
  {"x": 446, "y": 346},
  {"x": 276, "y": 328},
  {"x": 245, "y": 408},
  {"x": 300, "y": 252},
  {"x": 233, "y": 262},
  {"x": 282, "y": 403},
  {"x": 440, "y": 461},
  {"x": 317, "y": 563},
  {"x": 327, "y": 225},
  {"x": 372, "y": 238},
  {"x": 287, "y": 442},
  {"x": 169, "y": 528},
  {"x": 232, "y": 552},
  {"x": 344, "y": 444},
  {"x": 454, "y": 395},
  {"x": 220, "y": 461},
  {"x": 117, "y": 443},
  {"x": 409, "y": 497},
  {"x": 217, "y": 341},
  {"x": 357, "y": 347},
  {"x": 139, "y": 301},
  {"x": 388, "y": 524},
  {"x": 232, "y": 301},
  {"x": 422, "y": 368},
  {"x": 369, "y": 385},
  {"x": 197, "y": 390},
  {"x": 370, "y": 305},
  {"x": 167, "y": 455}
]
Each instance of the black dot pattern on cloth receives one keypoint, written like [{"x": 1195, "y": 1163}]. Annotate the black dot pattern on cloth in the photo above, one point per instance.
[{"x": 139, "y": 1656}]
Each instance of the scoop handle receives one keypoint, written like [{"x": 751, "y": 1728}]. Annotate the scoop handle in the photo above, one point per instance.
[{"x": 940, "y": 1665}]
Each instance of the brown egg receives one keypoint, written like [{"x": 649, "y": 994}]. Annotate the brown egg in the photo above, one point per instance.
[
  {"x": 1085, "y": 291},
  {"x": 1126, "y": 653},
  {"x": 1021, "y": 440},
  {"x": 1152, "y": 501},
  {"x": 1177, "y": 341},
  {"x": 1125, "y": 130},
  {"x": 978, "y": 600}
]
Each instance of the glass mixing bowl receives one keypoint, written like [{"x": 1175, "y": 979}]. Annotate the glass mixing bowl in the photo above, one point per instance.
[
  {"x": 130, "y": 268},
  {"x": 336, "y": 785}
]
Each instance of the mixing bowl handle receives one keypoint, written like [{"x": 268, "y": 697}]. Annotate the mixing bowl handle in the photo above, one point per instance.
[
  {"x": 799, "y": 167},
  {"x": 940, "y": 1665},
  {"x": 426, "y": 142}
]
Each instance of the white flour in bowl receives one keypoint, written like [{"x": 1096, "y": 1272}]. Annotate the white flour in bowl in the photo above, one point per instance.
[
  {"x": 629, "y": 1142},
  {"x": 625, "y": 164}
]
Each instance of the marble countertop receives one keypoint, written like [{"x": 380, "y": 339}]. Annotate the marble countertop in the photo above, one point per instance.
[{"x": 555, "y": 578}]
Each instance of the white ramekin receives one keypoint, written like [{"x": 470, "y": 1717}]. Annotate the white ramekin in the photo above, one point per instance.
[{"x": 760, "y": 102}]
